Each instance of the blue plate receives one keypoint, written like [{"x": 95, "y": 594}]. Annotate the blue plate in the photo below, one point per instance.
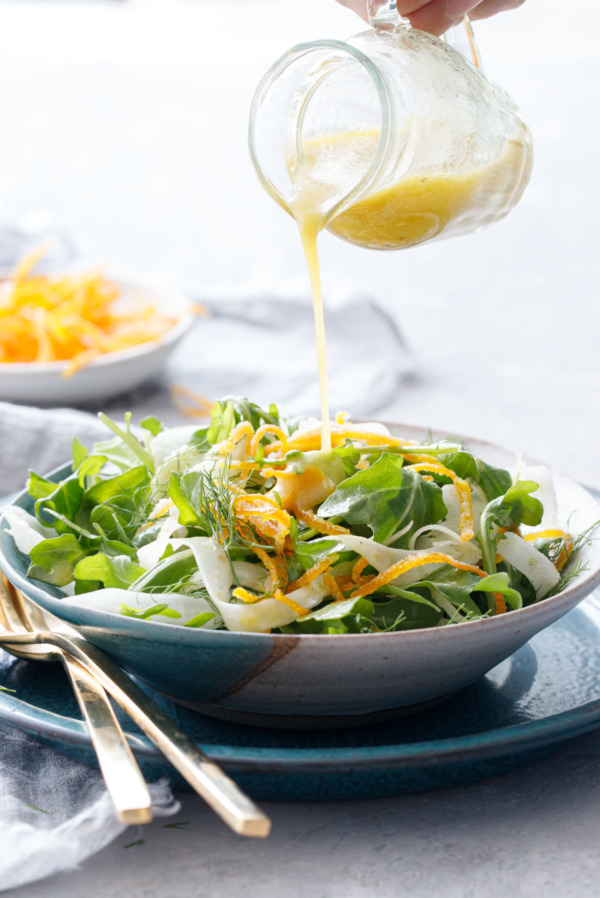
[{"x": 544, "y": 694}]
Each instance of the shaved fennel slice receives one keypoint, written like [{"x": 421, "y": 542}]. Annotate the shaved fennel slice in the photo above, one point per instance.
[
  {"x": 259, "y": 616},
  {"x": 111, "y": 600},
  {"x": 25, "y": 529},
  {"x": 252, "y": 576},
  {"x": 546, "y": 493},
  {"x": 150, "y": 554},
  {"x": 453, "y": 545},
  {"x": 523, "y": 556},
  {"x": 451, "y": 500}
]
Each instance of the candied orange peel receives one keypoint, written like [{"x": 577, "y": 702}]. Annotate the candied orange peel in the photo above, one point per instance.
[{"x": 72, "y": 318}]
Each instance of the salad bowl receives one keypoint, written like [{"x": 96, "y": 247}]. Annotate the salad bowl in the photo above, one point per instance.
[{"x": 319, "y": 680}]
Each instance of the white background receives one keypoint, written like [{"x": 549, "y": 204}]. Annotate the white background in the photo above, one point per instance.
[{"x": 127, "y": 121}]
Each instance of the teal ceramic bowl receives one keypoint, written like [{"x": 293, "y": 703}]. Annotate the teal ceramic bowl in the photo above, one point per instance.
[{"x": 317, "y": 680}]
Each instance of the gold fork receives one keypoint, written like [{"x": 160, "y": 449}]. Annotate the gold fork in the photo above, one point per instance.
[
  {"x": 122, "y": 776},
  {"x": 219, "y": 791}
]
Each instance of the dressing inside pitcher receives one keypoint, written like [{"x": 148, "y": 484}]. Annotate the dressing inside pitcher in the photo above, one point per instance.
[{"x": 388, "y": 140}]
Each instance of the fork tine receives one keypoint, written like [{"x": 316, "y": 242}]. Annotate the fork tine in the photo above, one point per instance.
[
  {"x": 30, "y": 614},
  {"x": 11, "y": 617}
]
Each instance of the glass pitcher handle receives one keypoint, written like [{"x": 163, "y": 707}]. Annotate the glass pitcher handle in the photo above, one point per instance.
[{"x": 384, "y": 14}]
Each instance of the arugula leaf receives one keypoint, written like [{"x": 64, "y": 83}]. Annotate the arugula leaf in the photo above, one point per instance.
[
  {"x": 129, "y": 439},
  {"x": 515, "y": 507},
  {"x": 168, "y": 574},
  {"x": 349, "y": 616},
  {"x": 306, "y": 554},
  {"x": 80, "y": 453},
  {"x": 117, "y": 571},
  {"x": 180, "y": 489},
  {"x": 384, "y": 498},
  {"x": 163, "y": 610},
  {"x": 153, "y": 425},
  {"x": 200, "y": 619},
  {"x": 39, "y": 487},
  {"x": 493, "y": 481},
  {"x": 65, "y": 500},
  {"x": 54, "y": 560},
  {"x": 223, "y": 422},
  {"x": 500, "y": 583}
]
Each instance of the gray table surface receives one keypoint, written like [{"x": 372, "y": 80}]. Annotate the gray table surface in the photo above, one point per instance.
[{"x": 126, "y": 123}]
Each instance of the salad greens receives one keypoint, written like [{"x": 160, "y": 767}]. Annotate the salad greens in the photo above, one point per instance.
[{"x": 246, "y": 524}]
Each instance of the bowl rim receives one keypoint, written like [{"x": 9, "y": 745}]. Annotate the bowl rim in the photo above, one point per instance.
[
  {"x": 572, "y": 595},
  {"x": 185, "y": 316}
]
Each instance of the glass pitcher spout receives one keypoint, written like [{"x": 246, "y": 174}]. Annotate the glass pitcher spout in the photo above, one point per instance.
[{"x": 392, "y": 138}]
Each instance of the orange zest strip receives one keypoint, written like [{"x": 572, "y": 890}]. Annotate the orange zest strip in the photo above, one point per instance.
[
  {"x": 299, "y": 610},
  {"x": 250, "y": 599},
  {"x": 333, "y": 586},
  {"x": 316, "y": 523},
  {"x": 241, "y": 430},
  {"x": 565, "y": 552},
  {"x": 262, "y": 431},
  {"x": 265, "y": 514},
  {"x": 466, "y": 524},
  {"x": 190, "y": 403},
  {"x": 313, "y": 572},
  {"x": 410, "y": 457},
  {"x": 408, "y": 564},
  {"x": 357, "y": 570},
  {"x": 311, "y": 439},
  {"x": 72, "y": 318},
  {"x": 546, "y": 534},
  {"x": 500, "y": 603},
  {"x": 277, "y": 573}
]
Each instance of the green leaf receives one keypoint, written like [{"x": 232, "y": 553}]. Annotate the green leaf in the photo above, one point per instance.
[
  {"x": 153, "y": 425},
  {"x": 223, "y": 422},
  {"x": 179, "y": 489},
  {"x": 129, "y": 439},
  {"x": 54, "y": 560},
  {"x": 168, "y": 574},
  {"x": 65, "y": 500},
  {"x": 39, "y": 487},
  {"x": 337, "y": 617},
  {"x": 80, "y": 453},
  {"x": 385, "y": 498},
  {"x": 500, "y": 583},
  {"x": 200, "y": 619},
  {"x": 493, "y": 481},
  {"x": 199, "y": 440},
  {"x": 121, "y": 486},
  {"x": 515, "y": 507},
  {"x": 118, "y": 571},
  {"x": 163, "y": 610}
]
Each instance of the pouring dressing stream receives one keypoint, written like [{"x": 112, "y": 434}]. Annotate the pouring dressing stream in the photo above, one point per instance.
[{"x": 389, "y": 140}]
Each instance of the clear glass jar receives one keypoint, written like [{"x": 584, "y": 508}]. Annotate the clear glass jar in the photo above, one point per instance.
[{"x": 400, "y": 138}]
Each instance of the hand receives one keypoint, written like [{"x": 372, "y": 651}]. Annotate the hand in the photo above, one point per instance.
[{"x": 436, "y": 16}]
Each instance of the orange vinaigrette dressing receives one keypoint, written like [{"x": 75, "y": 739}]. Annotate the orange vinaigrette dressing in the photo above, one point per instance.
[{"x": 404, "y": 213}]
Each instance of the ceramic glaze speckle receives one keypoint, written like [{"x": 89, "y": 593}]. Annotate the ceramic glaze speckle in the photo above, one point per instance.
[{"x": 333, "y": 680}]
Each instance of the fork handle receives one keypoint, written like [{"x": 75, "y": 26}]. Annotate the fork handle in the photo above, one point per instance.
[
  {"x": 122, "y": 776},
  {"x": 216, "y": 788}
]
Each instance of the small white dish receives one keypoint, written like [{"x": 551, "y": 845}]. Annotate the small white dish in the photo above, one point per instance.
[{"x": 44, "y": 383}]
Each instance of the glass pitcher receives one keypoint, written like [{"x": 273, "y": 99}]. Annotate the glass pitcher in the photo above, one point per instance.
[{"x": 393, "y": 138}]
